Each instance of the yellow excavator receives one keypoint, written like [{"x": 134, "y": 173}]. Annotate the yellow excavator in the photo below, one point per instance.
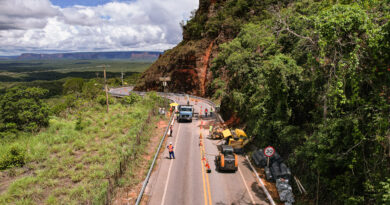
[{"x": 236, "y": 138}]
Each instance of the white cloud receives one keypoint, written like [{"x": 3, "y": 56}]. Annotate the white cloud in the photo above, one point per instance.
[
  {"x": 37, "y": 25},
  {"x": 25, "y": 14}
]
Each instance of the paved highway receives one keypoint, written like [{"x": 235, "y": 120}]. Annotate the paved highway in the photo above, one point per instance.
[{"x": 184, "y": 180}]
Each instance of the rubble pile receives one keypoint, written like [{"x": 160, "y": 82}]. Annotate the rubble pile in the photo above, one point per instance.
[{"x": 276, "y": 171}]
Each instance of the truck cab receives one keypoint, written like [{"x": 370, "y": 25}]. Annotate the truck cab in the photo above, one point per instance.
[{"x": 185, "y": 113}]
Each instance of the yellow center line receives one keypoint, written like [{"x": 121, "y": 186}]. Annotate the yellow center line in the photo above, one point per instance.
[
  {"x": 208, "y": 182},
  {"x": 204, "y": 183},
  {"x": 202, "y": 148}
]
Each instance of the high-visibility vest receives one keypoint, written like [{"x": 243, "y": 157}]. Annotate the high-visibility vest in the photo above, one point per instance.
[{"x": 170, "y": 148}]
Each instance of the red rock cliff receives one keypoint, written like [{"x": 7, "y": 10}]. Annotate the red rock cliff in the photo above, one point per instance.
[{"x": 188, "y": 64}]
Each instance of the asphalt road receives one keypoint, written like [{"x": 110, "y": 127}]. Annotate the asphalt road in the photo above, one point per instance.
[{"x": 184, "y": 180}]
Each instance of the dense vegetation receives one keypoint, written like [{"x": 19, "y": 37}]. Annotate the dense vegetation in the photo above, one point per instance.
[
  {"x": 23, "y": 109},
  {"x": 312, "y": 79},
  {"x": 70, "y": 160}
]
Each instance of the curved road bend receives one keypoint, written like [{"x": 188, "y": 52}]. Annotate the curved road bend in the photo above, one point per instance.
[{"x": 184, "y": 180}]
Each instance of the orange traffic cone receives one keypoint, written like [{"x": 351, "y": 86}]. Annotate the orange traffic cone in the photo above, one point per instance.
[
  {"x": 200, "y": 136},
  {"x": 208, "y": 166}
]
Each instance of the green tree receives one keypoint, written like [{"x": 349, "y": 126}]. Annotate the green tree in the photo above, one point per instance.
[
  {"x": 92, "y": 89},
  {"x": 73, "y": 86},
  {"x": 22, "y": 108},
  {"x": 312, "y": 79}
]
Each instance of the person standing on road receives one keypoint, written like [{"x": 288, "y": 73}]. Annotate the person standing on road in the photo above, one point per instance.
[
  {"x": 205, "y": 112},
  {"x": 170, "y": 130},
  {"x": 170, "y": 149}
]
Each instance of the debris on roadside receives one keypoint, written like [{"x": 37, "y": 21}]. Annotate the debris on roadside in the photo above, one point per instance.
[{"x": 276, "y": 171}]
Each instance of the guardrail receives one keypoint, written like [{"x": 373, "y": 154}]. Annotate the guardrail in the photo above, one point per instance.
[{"x": 153, "y": 163}]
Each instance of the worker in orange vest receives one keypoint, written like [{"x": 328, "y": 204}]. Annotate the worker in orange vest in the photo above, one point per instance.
[{"x": 170, "y": 149}]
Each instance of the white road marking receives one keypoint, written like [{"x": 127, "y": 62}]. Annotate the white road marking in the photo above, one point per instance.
[
  {"x": 169, "y": 170},
  {"x": 261, "y": 182},
  {"x": 247, "y": 189}
]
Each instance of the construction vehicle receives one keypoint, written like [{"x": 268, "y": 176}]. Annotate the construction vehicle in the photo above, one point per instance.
[
  {"x": 185, "y": 113},
  {"x": 226, "y": 160},
  {"x": 236, "y": 138},
  {"x": 216, "y": 132}
]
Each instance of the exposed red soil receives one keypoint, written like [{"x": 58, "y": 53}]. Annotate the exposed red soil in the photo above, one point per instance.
[
  {"x": 203, "y": 70},
  {"x": 233, "y": 121},
  {"x": 186, "y": 78},
  {"x": 271, "y": 187}
]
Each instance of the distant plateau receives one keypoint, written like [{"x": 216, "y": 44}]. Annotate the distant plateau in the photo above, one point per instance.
[{"x": 128, "y": 55}]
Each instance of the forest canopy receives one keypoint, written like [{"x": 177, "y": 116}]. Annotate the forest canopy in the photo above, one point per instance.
[{"x": 312, "y": 79}]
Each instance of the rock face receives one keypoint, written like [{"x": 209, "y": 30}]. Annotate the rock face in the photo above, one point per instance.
[{"x": 188, "y": 64}]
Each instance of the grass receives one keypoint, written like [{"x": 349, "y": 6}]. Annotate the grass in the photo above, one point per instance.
[{"x": 69, "y": 166}]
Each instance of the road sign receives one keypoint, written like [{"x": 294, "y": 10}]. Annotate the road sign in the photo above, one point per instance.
[
  {"x": 165, "y": 79},
  {"x": 269, "y": 151}
]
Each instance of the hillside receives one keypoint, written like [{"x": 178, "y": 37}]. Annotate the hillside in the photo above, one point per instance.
[
  {"x": 310, "y": 78},
  {"x": 69, "y": 150},
  {"x": 188, "y": 64}
]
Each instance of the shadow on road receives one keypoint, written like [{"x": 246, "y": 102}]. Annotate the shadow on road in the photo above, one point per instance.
[{"x": 240, "y": 199}]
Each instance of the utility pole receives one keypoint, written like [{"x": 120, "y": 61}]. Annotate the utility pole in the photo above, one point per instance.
[
  {"x": 105, "y": 86},
  {"x": 122, "y": 77},
  {"x": 105, "y": 83}
]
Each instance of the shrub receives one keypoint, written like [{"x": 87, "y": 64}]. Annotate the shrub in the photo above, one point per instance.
[
  {"x": 58, "y": 108},
  {"x": 79, "y": 124},
  {"x": 73, "y": 86},
  {"x": 15, "y": 156},
  {"x": 92, "y": 89},
  {"x": 131, "y": 99},
  {"x": 102, "y": 100}
]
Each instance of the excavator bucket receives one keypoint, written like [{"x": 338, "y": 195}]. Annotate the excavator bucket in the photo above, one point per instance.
[{"x": 240, "y": 133}]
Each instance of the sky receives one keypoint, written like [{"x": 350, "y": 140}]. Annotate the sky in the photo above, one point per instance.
[{"x": 43, "y": 26}]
